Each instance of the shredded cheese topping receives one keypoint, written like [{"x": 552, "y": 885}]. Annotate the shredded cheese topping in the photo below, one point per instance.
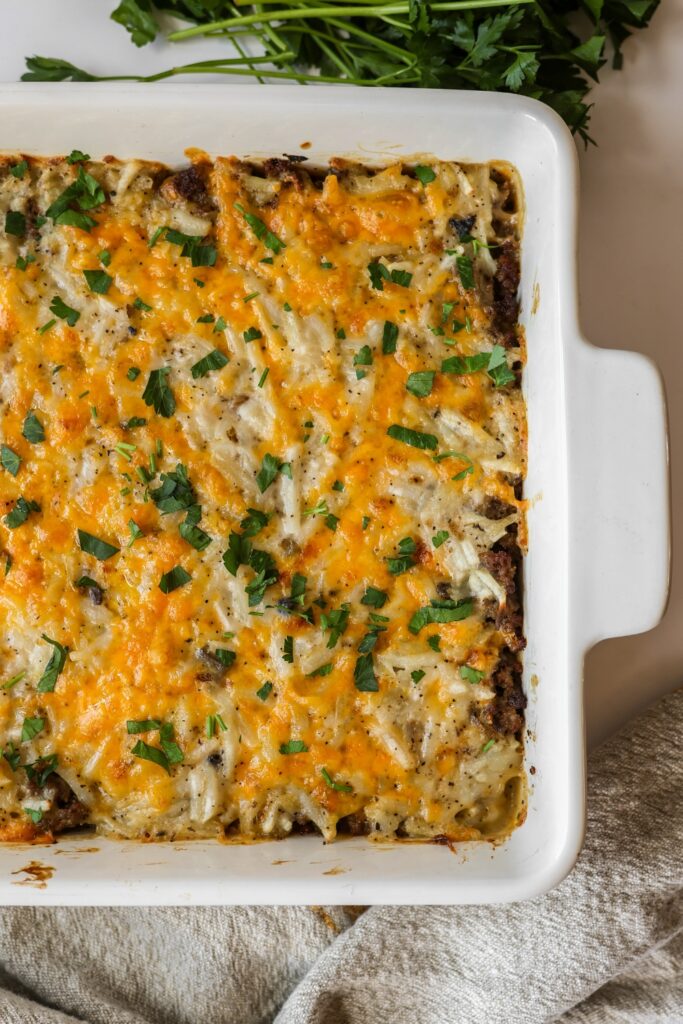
[{"x": 250, "y": 579}]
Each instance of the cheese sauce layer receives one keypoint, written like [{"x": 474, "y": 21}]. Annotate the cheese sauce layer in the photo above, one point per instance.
[{"x": 263, "y": 445}]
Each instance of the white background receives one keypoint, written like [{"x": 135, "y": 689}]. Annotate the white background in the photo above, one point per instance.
[{"x": 630, "y": 257}]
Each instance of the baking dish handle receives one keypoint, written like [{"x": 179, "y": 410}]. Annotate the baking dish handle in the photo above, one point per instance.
[{"x": 619, "y": 478}]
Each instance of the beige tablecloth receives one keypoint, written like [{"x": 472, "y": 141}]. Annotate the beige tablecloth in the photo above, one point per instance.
[{"x": 606, "y": 947}]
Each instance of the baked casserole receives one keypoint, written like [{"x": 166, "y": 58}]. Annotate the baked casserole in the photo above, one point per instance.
[{"x": 263, "y": 451}]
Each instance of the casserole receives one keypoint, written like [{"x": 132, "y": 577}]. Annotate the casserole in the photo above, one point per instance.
[
  {"x": 343, "y": 417},
  {"x": 593, "y": 416}
]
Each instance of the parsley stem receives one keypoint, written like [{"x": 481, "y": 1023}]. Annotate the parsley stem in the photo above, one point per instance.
[{"x": 376, "y": 9}]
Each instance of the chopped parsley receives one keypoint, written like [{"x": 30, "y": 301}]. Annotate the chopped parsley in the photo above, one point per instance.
[
  {"x": 135, "y": 532},
  {"x": 252, "y": 334},
  {"x": 262, "y": 231},
  {"x": 192, "y": 533},
  {"x": 254, "y": 522},
  {"x": 15, "y": 223},
  {"x": 471, "y": 675},
  {"x": 421, "y": 383},
  {"x": 340, "y": 787},
  {"x": 417, "y": 675},
  {"x": 494, "y": 362},
  {"x": 101, "y": 549},
  {"x": 389, "y": 338},
  {"x": 22, "y": 262},
  {"x": 416, "y": 438},
  {"x": 215, "y": 360},
  {"x": 487, "y": 746},
  {"x": 270, "y": 467},
  {"x": 158, "y": 394},
  {"x": 9, "y": 460},
  {"x": 64, "y": 312},
  {"x": 191, "y": 246},
  {"x": 35, "y": 814},
  {"x": 85, "y": 193},
  {"x": 31, "y": 727},
  {"x": 405, "y": 559},
  {"x": 76, "y": 156},
  {"x": 440, "y": 537},
  {"x": 364, "y": 677},
  {"x": 104, "y": 256},
  {"x": 288, "y": 650},
  {"x": 169, "y": 754},
  {"x": 321, "y": 670},
  {"x": 379, "y": 273},
  {"x": 293, "y": 747},
  {"x": 173, "y": 579},
  {"x": 264, "y": 692},
  {"x": 19, "y": 170},
  {"x": 262, "y": 378},
  {"x": 99, "y": 281},
  {"x": 20, "y": 513},
  {"x": 133, "y": 372},
  {"x": 425, "y": 174},
  {"x": 374, "y": 598},
  {"x": 466, "y": 271},
  {"x": 213, "y": 722},
  {"x": 441, "y": 612},
  {"x": 144, "y": 307},
  {"x": 336, "y": 622},
  {"x": 54, "y": 667}
]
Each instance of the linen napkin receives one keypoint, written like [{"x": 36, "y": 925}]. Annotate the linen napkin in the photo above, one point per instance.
[{"x": 605, "y": 947}]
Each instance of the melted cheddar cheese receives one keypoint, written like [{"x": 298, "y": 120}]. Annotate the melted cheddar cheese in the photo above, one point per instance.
[{"x": 262, "y": 451}]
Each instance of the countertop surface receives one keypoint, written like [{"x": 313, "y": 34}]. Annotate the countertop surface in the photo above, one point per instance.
[{"x": 630, "y": 253}]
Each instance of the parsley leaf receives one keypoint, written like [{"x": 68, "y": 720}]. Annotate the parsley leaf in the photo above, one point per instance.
[
  {"x": 15, "y": 223},
  {"x": 254, "y": 522},
  {"x": 264, "y": 692},
  {"x": 174, "y": 578},
  {"x": 99, "y": 281},
  {"x": 215, "y": 360},
  {"x": 293, "y": 747},
  {"x": 341, "y": 787},
  {"x": 262, "y": 231},
  {"x": 94, "y": 546},
  {"x": 389, "y": 338},
  {"x": 424, "y": 174},
  {"x": 416, "y": 438},
  {"x": 270, "y": 467},
  {"x": 439, "y": 538},
  {"x": 405, "y": 559},
  {"x": 20, "y": 513},
  {"x": 9, "y": 460},
  {"x": 442, "y": 612},
  {"x": 64, "y": 312},
  {"x": 421, "y": 383},
  {"x": 136, "y": 17},
  {"x": 19, "y": 170},
  {"x": 471, "y": 675},
  {"x": 364, "y": 677},
  {"x": 374, "y": 598},
  {"x": 54, "y": 667},
  {"x": 32, "y": 429},
  {"x": 31, "y": 727},
  {"x": 158, "y": 394}
]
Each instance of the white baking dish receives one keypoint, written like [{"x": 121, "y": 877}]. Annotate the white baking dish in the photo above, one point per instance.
[{"x": 598, "y": 524}]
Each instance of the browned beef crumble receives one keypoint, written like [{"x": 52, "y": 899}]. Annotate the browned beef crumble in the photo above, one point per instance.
[
  {"x": 505, "y": 713},
  {"x": 190, "y": 184},
  {"x": 505, "y": 291},
  {"x": 66, "y": 811}
]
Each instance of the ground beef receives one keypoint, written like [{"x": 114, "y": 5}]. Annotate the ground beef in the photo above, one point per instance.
[
  {"x": 462, "y": 225},
  {"x": 354, "y": 824},
  {"x": 66, "y": 811},
  {"x": 505, "y": 713},
  {"x": 505, "y": 291},
  {"x": 190, "y": 184},
  {"x": 283, "y": 170},
  {"x": 493, "y": 508},
  {"x": 302, "y": 825},
  {"x": 503, "y": 562}
]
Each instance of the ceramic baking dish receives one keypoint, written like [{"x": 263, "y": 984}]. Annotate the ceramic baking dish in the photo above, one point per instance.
[{"x": 598, "y": 524}]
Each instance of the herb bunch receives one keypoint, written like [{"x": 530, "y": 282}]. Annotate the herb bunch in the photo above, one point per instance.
[{"x": 551, "y": 50}]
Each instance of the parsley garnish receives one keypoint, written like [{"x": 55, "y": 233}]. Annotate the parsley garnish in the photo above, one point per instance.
[
  {"x": 262, "y": 378},
  {"x": 101, "y": 549},
  {"x": 487, "y": 746},
  {"x": 215, "y": 360},
  {"x": 54, "y": 667},
  {"x": 99, "y": 281},
  {"x": 288, "y": 650},
  {"x": 424, "y": 174},
  {"x": 471, "y": 675},
  {"x": 146, "y": 725},
  {"x": 64, "y": 312},
  {"x": 439, "y": 538},
  {"x": 133, "y": 372},
  {"x": 270, "y": 467},
  {"x": 417, "y": 675},
  {"x": 191, "y": 247},
  {"x": 76, "y": 156},
  {"x": 31, "y": 727},
  {"x": 421, "y": 383},
  {"x": 494, "y": 362},
  {"x": 262, "y": 231},
  {"x": 252, "y": 334},
  {"x": 86, "y": 193},
  {"x": 135, "y": 532},
  {"x": 22, "y": 262},
  {"x": 192, "y": 533},
  {"x": 441, "y": 612},
  {"x": 389, "y": 338},
  {"x": 321, "y": 670},
  {"x": 336, "y": 621},
  {"x": 379, "y": 273},
  {"x": 341, "y": 787},
  {"x": 144, "y": 307},
  {"x": 211, "y": 722},
  {"x": 293, "y": 747},
  {"x": 466, "y": 271},
  {"x": 9, "y": 460},
  {"x": 104, "y": 256},
  {"x": 416, "y": 438},
  {"x": 374, "y": 598},
  {"x": 15, "y": 223},
  {"x": 158, "y": 394},
  {"x": 264, "y": 692},
  {"x": 35, "y": 814},
  {"x": 254, "y": 522},
  {"x": 169, "y": 754},
  {"x": 174, "y": 578},
  {"x": 20, "y": 513},
  {"x": 32, "y": 429},
  {"x": 364, "y": 677},
  {"x": 19, "y": 170},
  {"x": 402, "y": 562}
]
